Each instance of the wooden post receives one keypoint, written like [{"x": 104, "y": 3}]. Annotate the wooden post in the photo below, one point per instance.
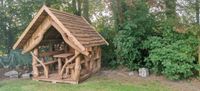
[
  {"x": 46, "y": 72},
  {"x": 72, "y": 73},
  {"x": 92, "y": 64},
  {"x": 87, "y": 63},
  {"x": 59, "y": 65},
  {"x": 99, "y": 59},
  {"x": 34, "y": 63},
  {"x": 92, "y": 61},
  {"x": 67, "y": 71},
  {"x": 77, "y": 68}
]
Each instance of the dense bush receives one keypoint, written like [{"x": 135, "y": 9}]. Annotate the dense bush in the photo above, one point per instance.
[
  {"x": 143, "y": 40},
  {"x": 137, "y": 26},
  {"x": 108, "y": 55},
  {"x": 172, "y": 53},
  {"x": 106, "y": 29}
]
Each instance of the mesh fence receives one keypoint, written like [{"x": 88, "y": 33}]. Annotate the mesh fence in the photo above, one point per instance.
[{"x": 15, "y": 59}]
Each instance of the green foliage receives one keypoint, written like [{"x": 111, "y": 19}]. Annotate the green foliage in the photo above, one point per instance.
[
  {"x": 14, "y": 17},
  {"x": 138, "y": 24},
  {"x": 108, "y": 55},
  {"x": 172, "y": 54},
  {"x": 127, "y": 50},
  {"x": 145, "y": 42}
]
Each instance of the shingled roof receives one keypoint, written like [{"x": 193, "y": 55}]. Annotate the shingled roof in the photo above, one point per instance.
[
  {"x": 77, "y": 26},
  {"x": 80, "y": 28}
]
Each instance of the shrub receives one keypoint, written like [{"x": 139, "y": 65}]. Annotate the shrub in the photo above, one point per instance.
[
  {"x": 108, "y": 55},
  {"x": 128, "y": 41},
  {"x": 172, "y": 54},
  {"x": 127, "y": 50}
]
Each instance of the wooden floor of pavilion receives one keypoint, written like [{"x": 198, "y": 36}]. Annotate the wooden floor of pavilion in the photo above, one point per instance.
[{"x": 54, "y": 78}]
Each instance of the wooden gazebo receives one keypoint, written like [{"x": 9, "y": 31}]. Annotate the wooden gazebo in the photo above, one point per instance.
[{"x": 65, "y": 48}]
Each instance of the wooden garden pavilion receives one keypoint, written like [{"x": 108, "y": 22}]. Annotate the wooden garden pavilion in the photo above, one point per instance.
[{"x": 65, "y": 48}]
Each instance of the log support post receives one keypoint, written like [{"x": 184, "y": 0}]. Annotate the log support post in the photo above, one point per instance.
[
  {"x": 91, "y": 61},
  {"x": 59, "y": 65},
  {"x": 34, "y": 63},
  {"x": 87, "y": 65},
  {"x": 77, "y": 68},
  {"x": 72, "y": 73},
  {"x": 92, "y": 65},
  {"x": 99, "y": 58},
  {"x": 46, "y": 72},
  {"x": 67, "y": 71}
]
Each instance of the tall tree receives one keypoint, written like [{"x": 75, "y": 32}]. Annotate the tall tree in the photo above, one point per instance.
[
  {"x": 197, "y": 11},
  {"x": 170, "y": 9},
  {"x": 118, "y": 10},
  {"x": 79, "y": 7},
  {"x": 76, "y": 6},
  {"x": 86, "y": 10}
]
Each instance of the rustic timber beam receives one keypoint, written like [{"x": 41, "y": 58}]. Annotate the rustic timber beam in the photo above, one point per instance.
[
  {"x": 67, "y": 62},
  {"x": 34, "y": 63},
  {"x": 37, "y": 35},
  {"x": 77, "y": 67},
  {"x": 29, "y": 27},
  {"x": 43, "y": 65}
]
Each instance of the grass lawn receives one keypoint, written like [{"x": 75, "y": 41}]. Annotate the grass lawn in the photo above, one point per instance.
[{"x": 92, "y": 84}]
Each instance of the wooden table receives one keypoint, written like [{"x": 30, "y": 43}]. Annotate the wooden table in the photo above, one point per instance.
[
  {"x": 63, "y": 55},
  {"x": 60, "y": 57}
]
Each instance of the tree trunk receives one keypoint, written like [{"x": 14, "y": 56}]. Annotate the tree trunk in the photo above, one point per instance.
[
  {"x": 197, "y": 11},
  {"x": 170, "y": 9},
  {"x": 74, "y": 6},
  {"x": 117, "y": 13},
  {"x": 86, "y": 10},
  {"x": 2, "y": 3},
  {"x": 79, "y": 7},
  {"x": 47, "y": 3}
]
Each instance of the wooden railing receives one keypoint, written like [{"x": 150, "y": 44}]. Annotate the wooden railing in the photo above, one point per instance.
[
  {"x": 66, "y": 63},
  {"x": 46, "y": 71}
]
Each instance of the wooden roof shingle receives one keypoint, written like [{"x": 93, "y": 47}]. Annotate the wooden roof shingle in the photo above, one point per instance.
[{"x": 80, "y": 28}]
